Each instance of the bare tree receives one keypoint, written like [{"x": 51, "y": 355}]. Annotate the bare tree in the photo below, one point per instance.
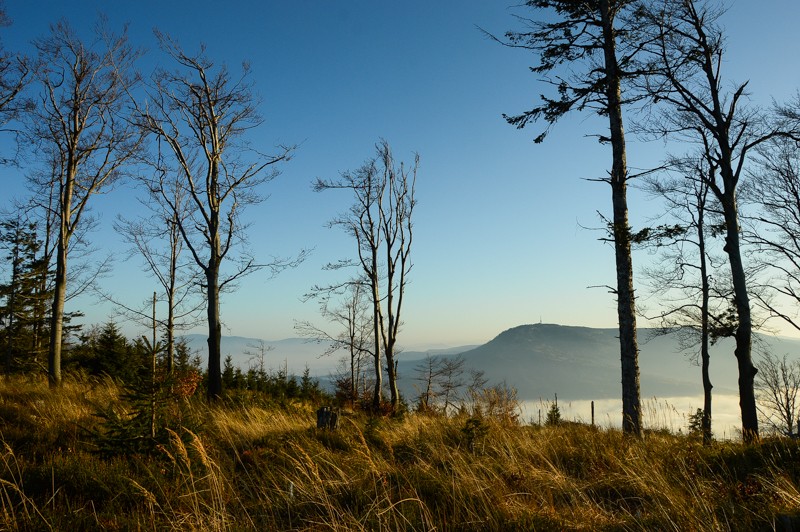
[
  {"x": 257, "y": 352},
  {"x": 687, "y": 52},
  {"x": 79, "y": 129},
  {"x": 428, "y": 372},
  {"x": 380, "y": 221},
  {"x": 692, "y": 302},
  {"x": 157, "y": 239},
  {"x": 598, "y": 40},
  {"x": 42, "y": 208},
  {"x": 345, "y": 307},
  {"x": 774, "y": 187},
  {"x": 201, "y": 113},
  {"x": 451, "y": 382},
  {"x": 444, "y": 387},
  {"x": 777, "y": 386}
]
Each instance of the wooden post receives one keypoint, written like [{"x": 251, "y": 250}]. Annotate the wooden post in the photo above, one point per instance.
[{"x": 593, "y": 413}]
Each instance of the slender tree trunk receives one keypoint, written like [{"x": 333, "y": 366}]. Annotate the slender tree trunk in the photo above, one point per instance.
[
  {"x": 705, "y": 357},
  {"x": 170, "y": 347},
  {"x": 428, "y": 388},
  {"x": 376, "y": 329},
  {"x": 391, "y": 372},
  {"x": 60, "y": 290},
  {"x": 724, "y": 153},
  {"x": 626, "y": 311},
  {"x": 352, "y": 311},
  {"x": 353, "y": 383},
  {"x": 153, "y": 356},
  {"x": 389, "y": 339},
  {"x": 214, "y": 332},
  {"x": 57, "y": 314},
  {"x": 169, "y": 353}
]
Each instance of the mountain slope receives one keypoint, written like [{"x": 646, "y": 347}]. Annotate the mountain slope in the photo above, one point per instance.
[{"x": 583, "y": 363}]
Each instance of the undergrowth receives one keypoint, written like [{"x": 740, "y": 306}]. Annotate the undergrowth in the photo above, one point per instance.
[{"x": 256, "y": 466}]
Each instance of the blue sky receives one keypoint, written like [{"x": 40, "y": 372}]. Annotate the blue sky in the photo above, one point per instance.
[{"x": 500, "y": 234}]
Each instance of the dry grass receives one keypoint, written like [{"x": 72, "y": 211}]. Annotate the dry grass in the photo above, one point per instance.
[{"x": 266, "y": 468}]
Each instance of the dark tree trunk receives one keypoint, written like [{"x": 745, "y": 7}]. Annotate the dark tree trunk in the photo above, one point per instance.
[
  {"x": 743, "y": 352},
  {"x": 391, "y": 372},
  {"x": 174, "y": 237},
  {"x": 170, "y": 347},
  {"x": 629, "y": 350},
  {"x": 704, "y": 325},
  {"x": 376, "y": 330},
  {"x": 214, "y": 333}
]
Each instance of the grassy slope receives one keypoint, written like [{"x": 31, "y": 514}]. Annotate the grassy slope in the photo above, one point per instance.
[{"x": 257, "y": 467}]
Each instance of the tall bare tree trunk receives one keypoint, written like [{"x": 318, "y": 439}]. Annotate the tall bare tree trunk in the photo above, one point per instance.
[
  {"x": 376, "y": 328},
  {"x": 57, "y": 316},
  {"x": 60, "y": 289},
  {"x": 153, "y": 384},
  {"x": 744, "y": 328},
  {"x": 214, "y": 332},
  {"x": 172, "y": 279},
  {"x": 170, "y": 347},
  {"x": 690, "y": 48},
  {"x": 705, "y": 357},
  {"x": 391, "y": 364},
  {"x": 626, "y": 311},
  {"x": 391, "y": 373},
  {"x": 86, "y": 140}
]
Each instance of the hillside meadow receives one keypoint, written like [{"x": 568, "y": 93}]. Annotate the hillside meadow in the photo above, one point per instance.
[{"x": 249, "y": 463}]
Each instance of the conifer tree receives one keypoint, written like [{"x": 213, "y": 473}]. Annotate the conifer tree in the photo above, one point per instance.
[
  {"x": 589, "y": 51},
  {"x": 21, "y": 295}
]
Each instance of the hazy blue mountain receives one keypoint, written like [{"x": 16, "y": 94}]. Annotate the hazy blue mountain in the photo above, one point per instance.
[
  {"x": 583, "y": 363},
  {"x": 295, "y": 353}
]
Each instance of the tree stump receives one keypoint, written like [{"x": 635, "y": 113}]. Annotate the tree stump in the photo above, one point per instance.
[{"x": 327, "y": 418}]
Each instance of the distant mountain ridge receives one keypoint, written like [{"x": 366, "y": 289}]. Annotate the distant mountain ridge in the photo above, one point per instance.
[
  {"x": 581, "y": 363},
  {"x": 539, "y": 360},
  {"x": 294, "y": 353}
]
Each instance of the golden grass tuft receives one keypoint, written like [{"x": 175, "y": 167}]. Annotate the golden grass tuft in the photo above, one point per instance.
[{"x": 268, "y": 468}]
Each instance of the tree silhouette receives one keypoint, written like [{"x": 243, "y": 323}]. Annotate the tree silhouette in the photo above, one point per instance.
[
  {"x": 80, "y": 130},
  {"x": 686, "y": 52},
  {"x": 589, "y": 52},
  {"x": 380, "y": 221},
  {"x": 199, "y": 115}
]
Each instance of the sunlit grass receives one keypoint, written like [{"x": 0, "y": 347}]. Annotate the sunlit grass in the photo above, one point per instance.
[{"x": 259, "y": 467}]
